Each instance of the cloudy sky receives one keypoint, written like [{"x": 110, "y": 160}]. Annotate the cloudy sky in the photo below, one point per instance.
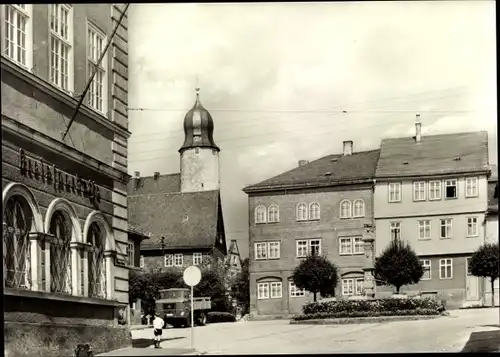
[{"x": 286, "y": 82}]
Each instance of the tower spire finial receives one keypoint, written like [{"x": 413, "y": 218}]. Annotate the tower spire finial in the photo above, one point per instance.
[{"x": 197, "y": 88}]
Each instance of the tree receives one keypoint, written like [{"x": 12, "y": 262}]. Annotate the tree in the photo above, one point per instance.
[
  {"x": 143, "y": 285},
  {"x": 316, "y": 274},
  {"x": 398, "y": 265},
  {"x": 484, "y": 263},
  {"x": 240, "y": 287}
]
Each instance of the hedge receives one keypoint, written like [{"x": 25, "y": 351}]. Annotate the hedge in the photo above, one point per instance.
[
  {"x": 368, "y": 308},
  {"x": 215, "y": 316}
]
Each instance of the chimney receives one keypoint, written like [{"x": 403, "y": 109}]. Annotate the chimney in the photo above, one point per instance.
[
  {"x": 303, "y": 162},
  {"x": 347, "y": 148},
  {"x": 137, "y": 174},
  {"x": 418, "y": 129},
  {"x": 156, "y": 175}
]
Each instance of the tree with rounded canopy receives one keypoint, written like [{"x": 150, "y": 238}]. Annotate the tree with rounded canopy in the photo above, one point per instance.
[
  {"x": 240, "y": 286},
  {"x": 485, "y": 263},
  {"x": 316, "y": 274},
  {"x": 398, "y": 265}
]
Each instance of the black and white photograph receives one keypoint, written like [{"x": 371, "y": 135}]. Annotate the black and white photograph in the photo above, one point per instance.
[{"x": 249, "y": 178}]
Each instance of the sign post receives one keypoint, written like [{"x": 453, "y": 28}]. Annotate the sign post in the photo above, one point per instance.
[{"x": 192, "y": 276}]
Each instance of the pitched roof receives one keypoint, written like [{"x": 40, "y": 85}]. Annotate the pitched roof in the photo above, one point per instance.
[
  {"x": 329, "y": 170},
  {"x": 148, "y": 185},
  {"x": 138, "y": 231},
  {"x": 434, "y": 154},
  {"x": 186, "y": 220}
]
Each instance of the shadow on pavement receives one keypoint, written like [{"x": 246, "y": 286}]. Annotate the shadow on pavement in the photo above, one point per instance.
[
  {"x": 147, "y": 342},
  {"x": 490, "y": 326},
  {"x": 485, "y": 341}
]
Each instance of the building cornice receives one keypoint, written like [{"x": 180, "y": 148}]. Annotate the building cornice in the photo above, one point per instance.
[
  {"x": 63, "y": 97},
  {"x": 18, "y": 129},
  {"x": 305, "y": 185}
]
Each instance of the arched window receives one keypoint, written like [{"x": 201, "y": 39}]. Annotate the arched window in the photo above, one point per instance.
[
  {"x": 273, "y": 213},
  {"x": 18, "y": 221},
  {"x": 345, "y": 209},
  {"x": 359, "y": 208},
  {"x": 260, "y": 214},
  {"x": 301, "y": 212},
  {"x": 60, "y": 253},
  {"x": 314, "y": 212},
  {"x": 96, "y": 261}
]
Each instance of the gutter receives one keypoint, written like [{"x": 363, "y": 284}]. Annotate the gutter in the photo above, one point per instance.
[{"x": 305, "y": 185}]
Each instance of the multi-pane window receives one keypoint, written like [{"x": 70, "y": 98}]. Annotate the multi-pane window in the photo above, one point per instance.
[
  {"x": 351, "y": 245},
  {"x": 472, "y": 227},
  {"x": 446, "y": 228},
  {"x": 168, "y": 260},
  {"x": 352, "y": 287},
  {"x": 395, "y": 230},
  {"x": 314, "y": 212},
  {"x": 197, "y": 258},
  {"x": 394, "y": 192},
  {"x": 260, "y": 214},
  {"x": 434, "y": 190},
  {"x": 345, "y": 209},
  {"x": 359, "y": 208},
  {"x": 141, "y": 261},
  {"x": 276, "y": 290},
  {"x": 274, "y": 250},
  {"x": 451, "y": 188},
  {"x": 130, "y": 253},
  {"x": 445, "y": 268},
  {"x": 178, "y": 260},
  {"x": 61, "y": 41},
  {"x": 273, "y": 214},
  {"x": 96, "y": 262},
  {"x": 301, "y": 212},
  {"x": 17, "y": 33},
  {"x": 261, "y": 250},
  {"x": 419, "y": 191},
  {"x": 18, "y": 220},
  {"x": 424, "y": 229},
  {"x": 308, "y": 247},
  {"x": 263, "y": 291},
  {"x": 426, "y": 264},
  {"x": 471, "y": 187},
  {"x": 96, "y": 42},
  {"x": 60, "y": 253},
  {"x": 296, "y": 292}
]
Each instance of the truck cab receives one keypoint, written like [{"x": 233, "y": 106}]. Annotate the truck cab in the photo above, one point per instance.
[{"x": 174, "y": 306}]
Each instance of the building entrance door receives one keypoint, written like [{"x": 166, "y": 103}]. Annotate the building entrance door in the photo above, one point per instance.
[{"x": 471, "y": 283}]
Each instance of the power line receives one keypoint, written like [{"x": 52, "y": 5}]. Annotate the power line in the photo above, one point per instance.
[
  {"x": 253, "y": 120},
  {"x": 89, "y": 81}
]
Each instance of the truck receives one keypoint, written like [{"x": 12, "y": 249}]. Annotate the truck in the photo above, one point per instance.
[{"x": 174, "y": 306}]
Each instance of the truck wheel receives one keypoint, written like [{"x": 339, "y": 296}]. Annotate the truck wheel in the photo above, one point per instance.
[
  {"x": 202, "y": 320},
  {"x": 188, "y": 322}
]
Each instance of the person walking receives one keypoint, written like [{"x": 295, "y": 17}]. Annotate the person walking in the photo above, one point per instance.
[{"x": 158, "y": 324}]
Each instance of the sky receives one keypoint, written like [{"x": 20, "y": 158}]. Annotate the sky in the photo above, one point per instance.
[{"x": 292, "y": 81}]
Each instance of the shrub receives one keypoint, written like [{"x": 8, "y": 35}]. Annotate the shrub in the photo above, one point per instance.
[
  {"x": 371, "y": 307},
  {"x": 317, "y": 275},
  {"x": 216, "y": 316},
  {"x": 342, "y": 314}
]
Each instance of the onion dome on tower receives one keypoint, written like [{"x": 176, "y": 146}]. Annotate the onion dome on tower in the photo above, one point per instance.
[{"x": 198, "y": 127}]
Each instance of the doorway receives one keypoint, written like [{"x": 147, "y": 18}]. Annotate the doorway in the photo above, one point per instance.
[{"x": 471, "y": 283}]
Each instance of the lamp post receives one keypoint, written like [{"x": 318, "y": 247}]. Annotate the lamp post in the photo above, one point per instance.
[{"x": 163, "y": 249}]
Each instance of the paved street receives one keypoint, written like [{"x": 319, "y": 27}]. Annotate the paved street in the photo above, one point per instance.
[{"x": 444, "y": 334}]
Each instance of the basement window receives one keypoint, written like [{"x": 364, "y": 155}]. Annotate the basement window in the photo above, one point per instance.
[{"x": 451, "y": 189}]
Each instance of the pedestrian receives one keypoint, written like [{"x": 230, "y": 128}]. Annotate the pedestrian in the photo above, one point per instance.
[{"x": 158, "y": 324}]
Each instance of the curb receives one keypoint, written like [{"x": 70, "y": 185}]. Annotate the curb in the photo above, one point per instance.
[{"x": 363, "y": 320}]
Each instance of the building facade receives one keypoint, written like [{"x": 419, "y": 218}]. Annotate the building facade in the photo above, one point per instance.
[
  {"x": 322, "y": 207},
  {"x": 182, "y": 211},
  {"x": 432, "y": 192},
  {"x": 492, "y": 231},
  {"x": 64, "y": 200}
]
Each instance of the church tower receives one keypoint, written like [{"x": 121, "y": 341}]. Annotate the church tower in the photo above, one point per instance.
[{"x": 199, "y": 153}]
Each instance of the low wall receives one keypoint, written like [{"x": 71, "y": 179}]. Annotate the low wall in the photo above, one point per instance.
[
  {"x": 57, "y": 340},
  {"x": 44, "y": 324}
]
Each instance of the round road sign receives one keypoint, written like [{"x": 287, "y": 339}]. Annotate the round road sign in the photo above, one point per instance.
[{"x": 192, "y": 275}]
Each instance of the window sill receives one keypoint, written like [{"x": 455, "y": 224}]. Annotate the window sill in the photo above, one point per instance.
[
  {"x": 425, "y": 279},
  {"x": 57, "y": 297},
  {"x": 445, "y": 238},
  {"x": 446, "y": 278},
  {"x": 435, "y": 199},
  {"x": 425, "y": 239},
  {"x": 345, "y": 217},
  {"x": 472, "y": 196},
  {"x": 363, "y": 216},
  {"x": 395, "y": 201},
  {"x": 450, "y": 198},
  {"x": 476, "y": 236}
]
